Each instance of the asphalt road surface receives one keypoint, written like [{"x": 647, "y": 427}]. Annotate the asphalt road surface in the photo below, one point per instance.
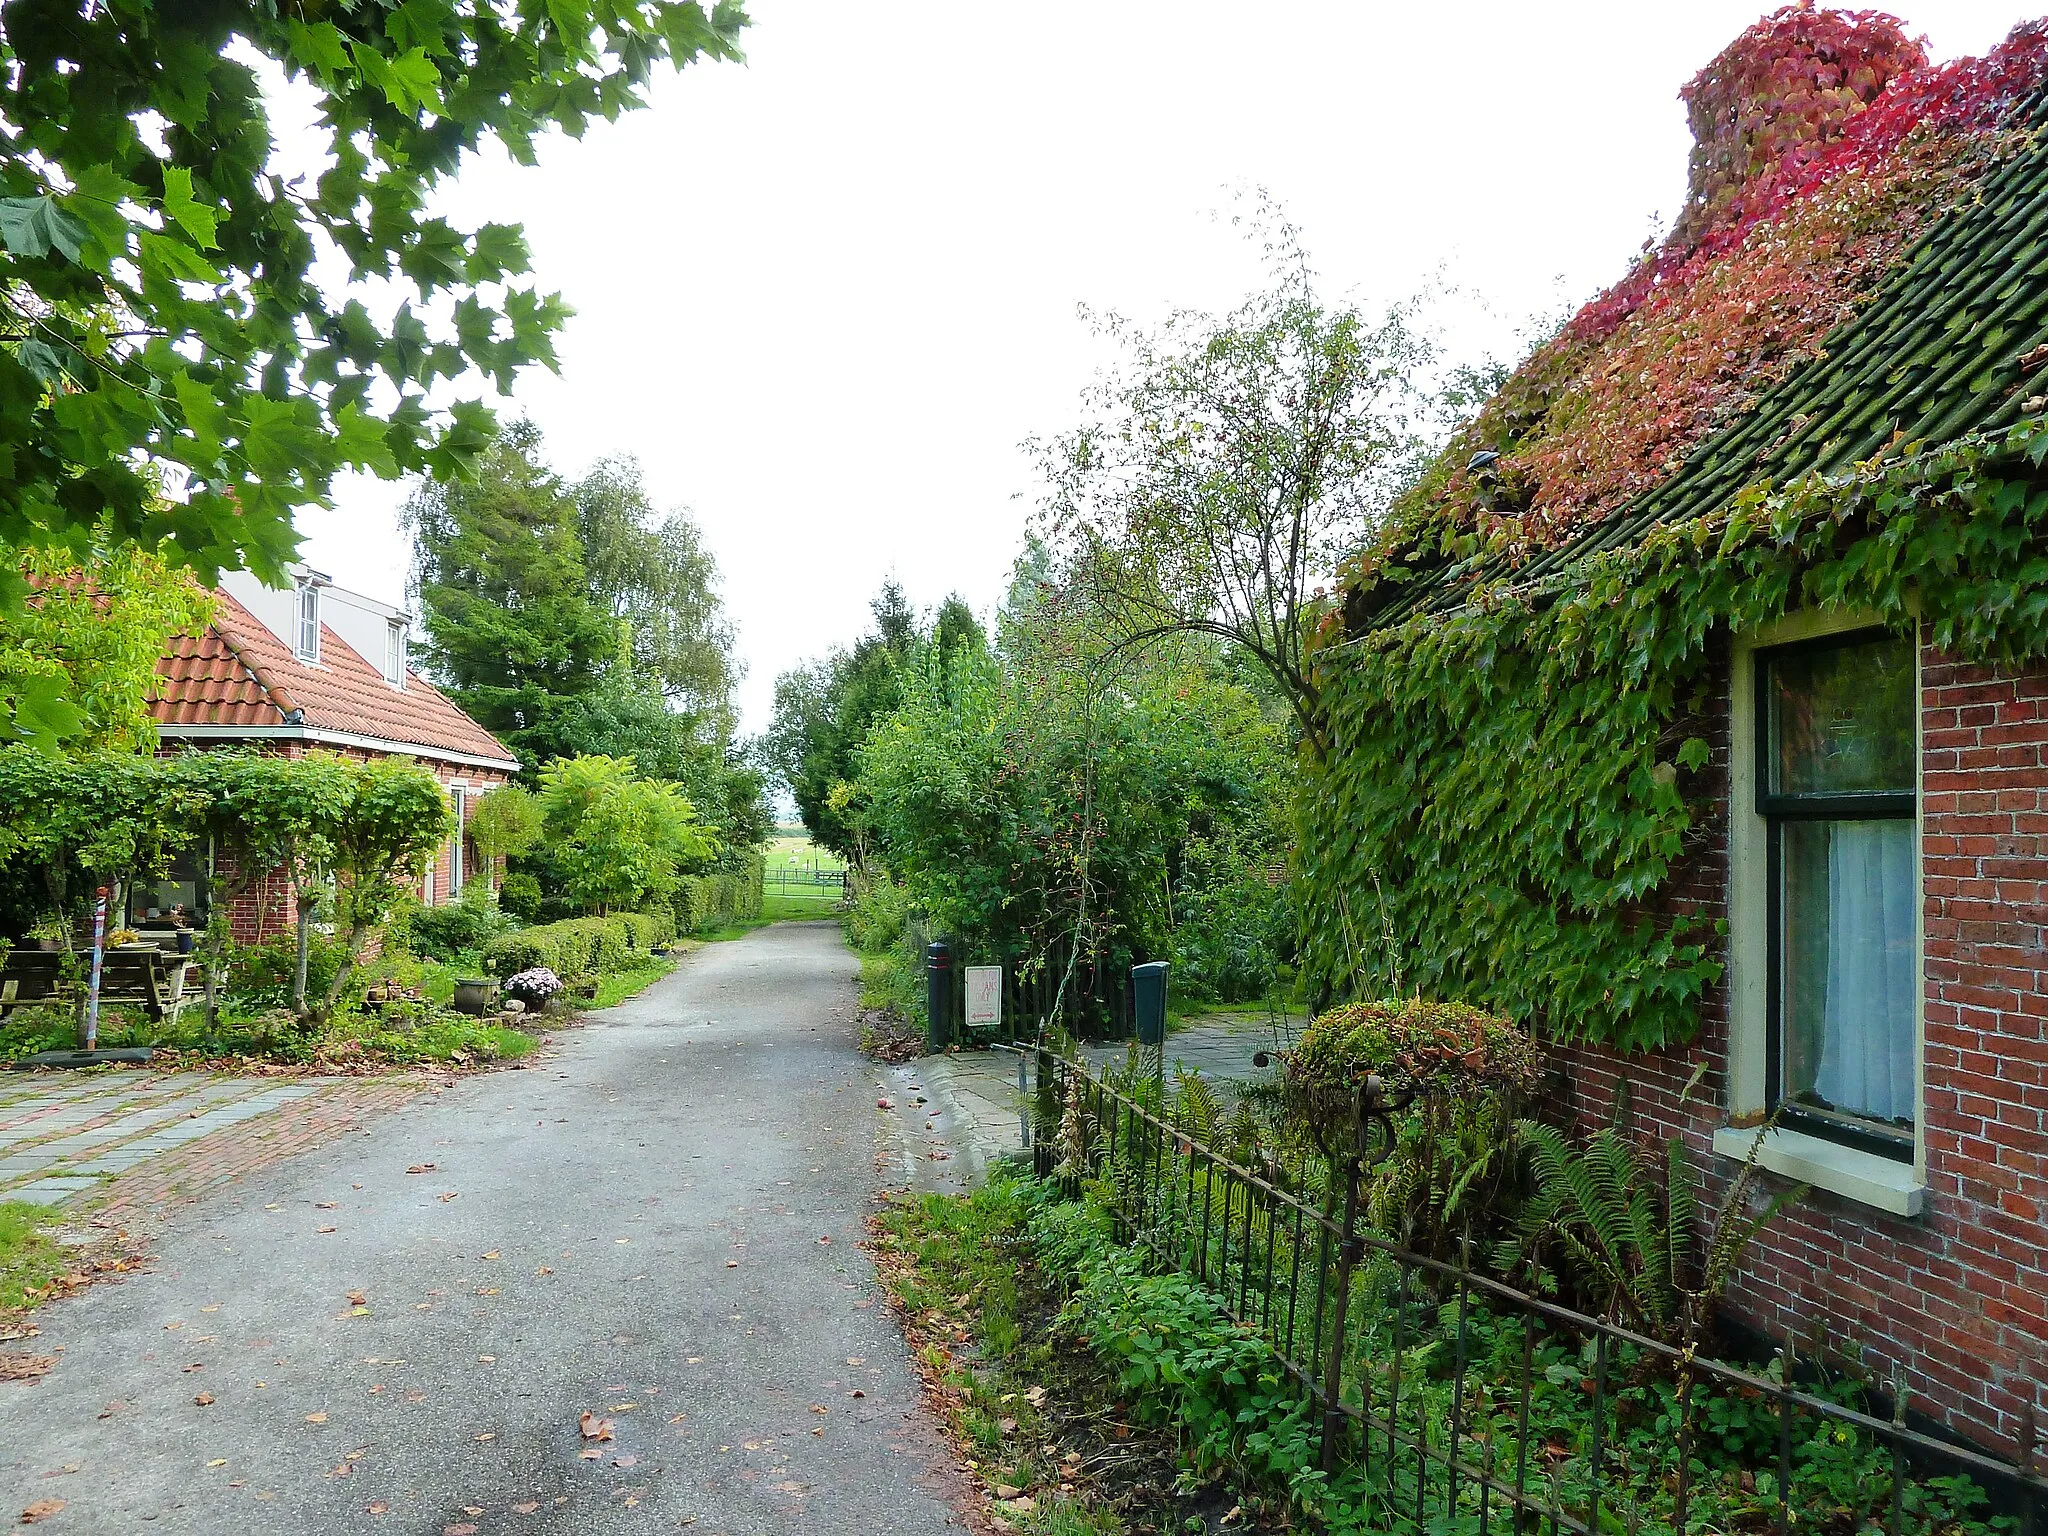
[{"x": 656, "y": 1224}]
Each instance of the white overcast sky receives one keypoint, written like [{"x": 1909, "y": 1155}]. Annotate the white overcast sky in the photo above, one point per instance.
[{"x": 824, "y": 297}]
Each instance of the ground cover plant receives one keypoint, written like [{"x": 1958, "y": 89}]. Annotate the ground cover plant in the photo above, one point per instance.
[
  {"x": 1453, "y": 1372},
  {"x": 30, "y": 1258},
  {"x": 1056, "y": 1437}
]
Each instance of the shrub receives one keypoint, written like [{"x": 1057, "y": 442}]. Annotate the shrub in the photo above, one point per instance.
[
  {"x": 877, "y": 918},
  {"x": 650, "y": 930},
  {"x": 469, "y": 922},
  {"x": 259, "y": 975},
  {"x": 575, "y": 949},
  {"x": 1449, "y": 1170},
  {"x": 519, "y": 894}
]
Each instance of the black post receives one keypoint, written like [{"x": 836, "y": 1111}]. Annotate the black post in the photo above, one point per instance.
[{"x": 1349, "y": 1251}]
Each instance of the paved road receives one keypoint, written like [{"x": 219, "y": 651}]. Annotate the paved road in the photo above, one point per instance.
[{"x": 655, "y": 1223}]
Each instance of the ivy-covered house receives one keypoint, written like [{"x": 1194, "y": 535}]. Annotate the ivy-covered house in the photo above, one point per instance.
[
  {"x": 1694, "y": 706},
  {"x": 310, "y": 667}
]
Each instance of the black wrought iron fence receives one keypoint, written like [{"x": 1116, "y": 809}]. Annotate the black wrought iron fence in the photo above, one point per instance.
[{"x": 1457, "y": 1403}]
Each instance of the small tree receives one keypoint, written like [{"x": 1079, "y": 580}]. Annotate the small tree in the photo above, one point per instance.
[
  {"x": 1229, "y": 467},
  {"x": 617, "y": 839},
  {"x": 504, "y": 824},
  {"x": 396, "y": 819}
]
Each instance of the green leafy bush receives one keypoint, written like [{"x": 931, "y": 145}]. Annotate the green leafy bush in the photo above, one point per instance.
[
  {"x": 649, "y": 930},
  {"x": 519, "y": 894},
  {"x": 579, "y": 948},
  {"x": 259, "y": 975},
  {"x": 876, "y": 919},
  {"x": 468, "y": 923},
  {"x": 1449, "y": 1171}
]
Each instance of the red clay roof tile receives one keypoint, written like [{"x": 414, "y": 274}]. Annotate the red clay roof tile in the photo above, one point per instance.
[{"x": 238, "y": 673}]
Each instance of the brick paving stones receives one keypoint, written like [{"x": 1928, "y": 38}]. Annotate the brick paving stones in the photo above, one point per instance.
[{"x": 138, "y": 1135}]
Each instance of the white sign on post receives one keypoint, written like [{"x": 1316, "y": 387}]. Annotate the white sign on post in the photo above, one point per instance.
[{"x": 984, "y": 996}]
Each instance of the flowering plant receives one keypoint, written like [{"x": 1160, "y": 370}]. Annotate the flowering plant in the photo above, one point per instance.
[{"x": 534, "y": 987}]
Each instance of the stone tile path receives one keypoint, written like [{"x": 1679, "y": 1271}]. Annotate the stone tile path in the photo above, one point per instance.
[
  {"x": 973, "y": 1106},
  {"x": 66, "y": 1135}
]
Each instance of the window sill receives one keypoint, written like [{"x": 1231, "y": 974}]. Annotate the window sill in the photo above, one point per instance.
[{"x": 1856, "y": 1175}]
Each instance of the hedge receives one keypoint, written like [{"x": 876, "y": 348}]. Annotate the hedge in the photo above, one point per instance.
[
  {"x": 708, "y": 901},
  {"x": 579, "y": 948}
]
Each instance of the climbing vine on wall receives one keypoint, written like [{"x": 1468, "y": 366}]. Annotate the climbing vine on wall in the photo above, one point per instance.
[{"x": 1511, "y": 786}]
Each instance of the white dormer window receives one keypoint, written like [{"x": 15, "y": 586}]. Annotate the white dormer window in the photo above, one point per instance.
[
  {"x": 308, "y": 644},
  {"x": 394, "y": 654}
]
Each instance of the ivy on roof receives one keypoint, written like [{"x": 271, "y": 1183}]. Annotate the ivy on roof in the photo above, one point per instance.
[{"x": 1812, "y": 302}]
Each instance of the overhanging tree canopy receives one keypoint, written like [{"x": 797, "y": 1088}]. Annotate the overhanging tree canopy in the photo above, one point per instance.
[{"x": 157, "y": 299}]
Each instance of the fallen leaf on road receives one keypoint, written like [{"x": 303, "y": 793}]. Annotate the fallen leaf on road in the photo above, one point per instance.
[
  {"x": 486, "y": 1359},
  {"x": 732, "y": 1263},
  {"x": 323, "y": 1205},
  {"x": 357, "y": 1298},
  {"x": 218, "y": 1461},
  {"x": 343, "y": 1470},
  {"x": 856, "y": 1359},
  {"x": 323, "y": 1229},
  {"x": 450, "y": 1195},
  {"x": 317, "y": 1418},
  {"x": 856, "y": 1392},
  {"x": 526, "y": 1506},
  {"x": 204, "y": 1400},
  {"x": 42, "y": 1509},
  {"x": 488, "y": 1435},
  {"x": 819, "y": 1408},
  {"x": 487, "y": 1290},
  {"x": 422, "y": 1168},
  {"x": 492, "y": 1254},
  {"x": 379, "y": 1507},
  {"x": 593, "y": 1428},
  {"x": 543, "y": 1270},
  {"x": 379, "y": 1387},
  {"x": 625, "y": 1461},
  {"x": 591, "y": 1453},
  {"x": 824, "y": 1239},
  {"x": 25, "y": 1367},
  {"x": 472, "y": 1509}
]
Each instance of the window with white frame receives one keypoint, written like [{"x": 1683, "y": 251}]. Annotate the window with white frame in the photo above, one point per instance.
[
  {"x": 308, "y": 641},
  {"x": 394, "y": 654},
  {"x": 460, "y": 799},
  {"x": 1835, "y": 783}
]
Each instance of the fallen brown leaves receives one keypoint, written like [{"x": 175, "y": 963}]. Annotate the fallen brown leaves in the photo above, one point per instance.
[
  {"x": 25, "y": 1367},
  {"x": 42, "y": 1509}
]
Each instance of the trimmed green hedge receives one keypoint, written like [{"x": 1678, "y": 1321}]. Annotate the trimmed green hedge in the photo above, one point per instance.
[
  {"x": 710, "y": 901},
  {"x": 580, "y": 948}
]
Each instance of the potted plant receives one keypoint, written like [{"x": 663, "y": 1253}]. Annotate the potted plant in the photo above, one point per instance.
[
  {"x": 49, "y": 934},
  {"x": 534, "y": 987}
]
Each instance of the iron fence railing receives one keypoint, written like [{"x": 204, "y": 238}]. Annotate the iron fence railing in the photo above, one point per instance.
[{"x": 1466, "y": 1405}]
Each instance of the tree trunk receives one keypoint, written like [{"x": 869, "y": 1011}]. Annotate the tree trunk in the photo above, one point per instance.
[{"x": 304, "y": 904}]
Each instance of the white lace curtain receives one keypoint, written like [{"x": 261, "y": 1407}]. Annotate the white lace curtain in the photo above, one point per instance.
[{"x": 1867, "y": 1051}]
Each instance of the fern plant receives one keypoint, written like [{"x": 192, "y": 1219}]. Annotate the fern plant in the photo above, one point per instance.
[{"x": 1624, "y": 1220}]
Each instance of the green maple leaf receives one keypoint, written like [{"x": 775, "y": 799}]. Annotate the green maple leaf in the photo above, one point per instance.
[
  {"x": 34, "y": 226},
  {"x": 197, "y": 219},
  {"x": 319, "y": 47}
]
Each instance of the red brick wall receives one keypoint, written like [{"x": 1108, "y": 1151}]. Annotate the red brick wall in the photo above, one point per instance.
[{"x": 1953, "y": 1303}]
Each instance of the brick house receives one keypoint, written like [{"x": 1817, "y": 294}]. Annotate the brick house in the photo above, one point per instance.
[
  {"x": 1869, "y": 843},
  {"x": 312, "y": 667}
]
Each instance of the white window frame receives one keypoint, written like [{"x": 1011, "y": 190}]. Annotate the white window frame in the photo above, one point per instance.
[
  {"x": 394, "y": 654},
  {"x": 306, "y": 623},
  {"x": 1886, "y": 1183},
  {"x": 459, "y": 794}
]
